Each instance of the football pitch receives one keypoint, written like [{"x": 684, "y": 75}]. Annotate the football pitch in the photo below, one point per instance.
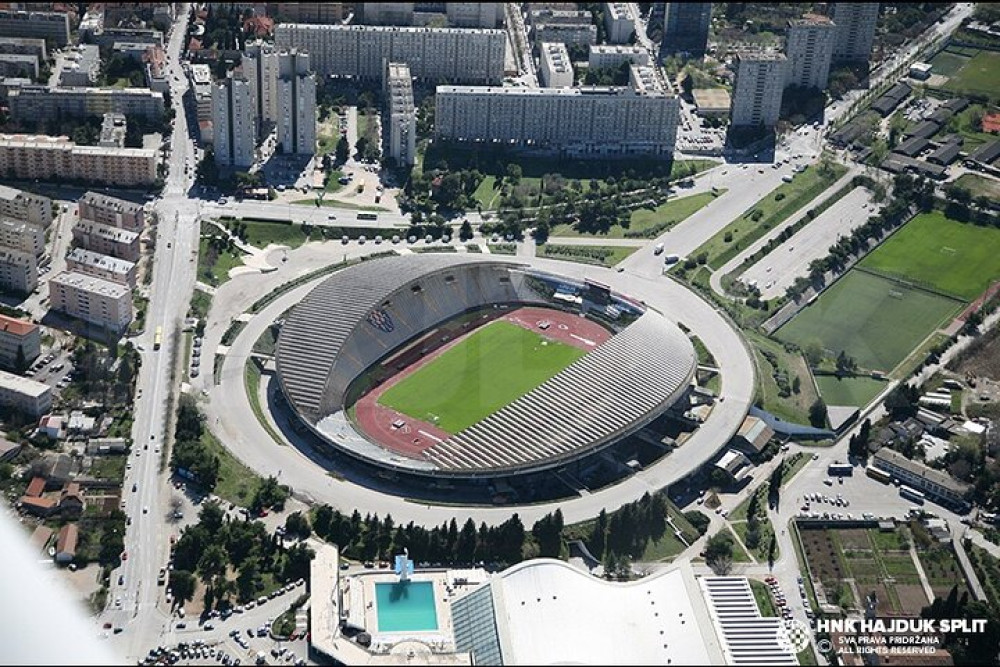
[
  {"x": 954, "y": 257},
  {"x": 481, "y": 374},
  {"x": 873, "y": 319}
]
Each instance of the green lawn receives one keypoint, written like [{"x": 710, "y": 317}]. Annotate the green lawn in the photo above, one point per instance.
[
  {"x": 333, "y": 181},
  {"x": 763, "y": 597},
  {"x": 339, "y": 204},
  {"x": 600, "y": 255},
  {"x": 773, "y": 209},
  {"x": 875, "y": 320},
  {"x": 491, "y": 368},
  {"x": 794, "y": 407},
  {"x": 855, "y": 391},
  {"x": 948, "y": 64},
  {"x": 487, "y": 194},
  {"x": 215, "y": 272},
  {"x": 648, "y": 223},
  {"x": 260, "y": 234},
  {"x": 979, "y": 185},
  {"x": 237, "y": 483},
  {"x": 954, "y": 257},
  {"x": 979, "y": 75}
]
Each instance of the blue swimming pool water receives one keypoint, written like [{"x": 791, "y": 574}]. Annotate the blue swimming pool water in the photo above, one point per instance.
[{"x": 405, "y": 606}]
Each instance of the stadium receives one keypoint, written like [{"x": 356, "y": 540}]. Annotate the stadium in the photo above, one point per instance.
[{"x": 472, "y": 372}]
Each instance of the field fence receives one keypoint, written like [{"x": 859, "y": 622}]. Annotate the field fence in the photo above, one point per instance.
[{"x": 908, "y": 282}]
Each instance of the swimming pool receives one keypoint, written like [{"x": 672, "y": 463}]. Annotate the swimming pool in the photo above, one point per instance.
[{"x": 405, "y": 606}]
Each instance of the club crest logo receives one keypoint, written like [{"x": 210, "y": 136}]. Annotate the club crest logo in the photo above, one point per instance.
[{"x": 380, "y": 319}]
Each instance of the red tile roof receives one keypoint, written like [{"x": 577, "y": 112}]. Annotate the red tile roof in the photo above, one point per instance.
[
  {"x": 16, "y": 326},
  {"x": 35, "y": 487},
  {"x": 33, "y": 502},
  {"x": 67, "y": 539}
]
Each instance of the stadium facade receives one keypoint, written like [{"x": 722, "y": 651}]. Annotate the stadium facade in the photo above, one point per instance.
[{"x": 367, "y": 313}]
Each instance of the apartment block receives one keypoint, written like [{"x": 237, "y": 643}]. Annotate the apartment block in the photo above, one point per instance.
[
  {"x": 567, "y": 34},
  {"x": 107, "y": 240},
  {"x": 937, "y": 484},
  {"x": 400, "y": 114},
  {"x": 18, "y": 65},
  {"x": 259, "y": 65},
  {"x": 547, "y": 16},
  {"x": 295, "y": 89},
  {"x": 79, "y": 66},
  {"x": 618, "y": 22},
  {"x": 685, "y": 29},
  {"x": 474, "y": 14},
  {"x": 41, "y": 103},
  {"x": 27, "y": 156},
  {"x": 234, "y": 138},
  {"x": 554, "y": 67},
  {"x": 112, "y": 211},
  {"x": 310, "y": 12},
  {"x": 91, "y": 299},
  {"x": 25, "y": 206},
  {"x": 583, "y": 122},
  {"x": 107, "y": 37},
  {"x": 31, "y": 46},
  {"x": 385, "y": 13},
  {"x": 603, "y": 56},
  {"x": 24, "y": 394},
  {"x": 18, "y": 271},
  {"x": 435, "y": 54},
  {"x": 760, "y": 82},
  {"x": 114, "y": 127},
  {"x": 20, "y": 342},
  {"x": 40, "y": 25},
  {"x": 809, "y": 43},
  {"x": 21, "y": 235},
  {"x": 856, "y": 23},
  {"x": 109, "y": 268},
  {"x": 200, "y": 76}
]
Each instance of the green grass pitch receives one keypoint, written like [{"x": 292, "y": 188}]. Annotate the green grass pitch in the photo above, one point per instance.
[
  {"x": 491, "y": 368},
  {"x": 979, "y": 75},
  {"x": 875, "y": 320},
  {"x": 955, "y": 257},
  {"x": 856, "y": 391}
]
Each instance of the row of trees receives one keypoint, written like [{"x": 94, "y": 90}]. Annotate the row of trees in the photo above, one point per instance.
[{"x": 105, "y": 374}]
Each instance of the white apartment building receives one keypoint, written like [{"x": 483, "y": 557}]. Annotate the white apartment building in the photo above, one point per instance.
[
  {"x": 79, "y": 66},
  {"x": 760, "y": 82},
  {"x": 296, "y": 103},
  {"x": 400, "y": 114},
  {"x": 21, "y": 235},
  {"x": 233, "y": 137},
  {"x": 41, "y": 103},
  {"x": 809, "y": 43},
  {"x": 24, "y": 394},
  {"x": 18, "y": 271},
  {"x": 259, "y": 64},
  {"x": 18, "y": 338},
  {"x": 585, "y": 121},
  {"x": 554, "y": 67},
  {"x": 567, "y": 34},
  {"x": 201, "y": 83},
  {"x": 109, "y": 268},
  {"x": 27, "y": 156},
  {"x": 25, "y": 46},
  {"x": 42, "y": 25},
  {"x": 577, "y": 17},
  {"x": 618, "y": 22},
  {"x": 25, "y": 206},
  {"x": 112, "y": 211},
  {"x": 474, "y": 14},
  {"x": 107, "y": 240},
  {"x": 435, "y": 54},
  {"x": 91, "y": 299},
  {"x": 856, "y": 23},
  {"x": 603, "y": 56}
]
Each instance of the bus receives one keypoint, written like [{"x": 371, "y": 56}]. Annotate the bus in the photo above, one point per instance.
[
  {"x": 878, "y": 474},
  {"x": 911, "y": 494},
  {"x": 158, "y": 338},
  {"x": 367, "y": 216},
  {"x": 840, "y": 469}
]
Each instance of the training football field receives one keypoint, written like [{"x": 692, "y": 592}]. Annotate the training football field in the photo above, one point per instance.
[
  {"x": 494, "y": 366},
  {"x": 873, "y": 319}
]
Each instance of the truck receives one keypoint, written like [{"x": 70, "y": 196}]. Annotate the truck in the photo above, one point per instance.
[{"x": 158, "y": 338}]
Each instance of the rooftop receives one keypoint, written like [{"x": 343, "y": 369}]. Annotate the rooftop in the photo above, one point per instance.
[
  {"x": 100, "y": 200},
  {"x": 811, "y": 19},
  {"x": 116, "y": 234},
  {"x": 16, "y": 327},
  {"x": 91, "y": 284},
  {"x": 941, "y": 478},
  {"x": 97, "y": 260},
  {"x": 23, "y": 385}
]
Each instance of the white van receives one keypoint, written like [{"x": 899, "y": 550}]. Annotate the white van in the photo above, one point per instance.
[{"x": 658, "y": 249}]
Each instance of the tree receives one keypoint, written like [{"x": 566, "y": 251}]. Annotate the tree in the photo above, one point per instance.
[
  {"x": 249, "y": 580},
  {"x": 514, "y": 173},
  {"x": 845, "y": 364},
  {"x": 212, "y": 563},
  {"x": 772, "y": 550},
  {"x": 719, "y": 552},
  {"x": 817, "y": 413},
  {"x": 297, "y": 525},
  {"x": 343, "y": 150},
  {"x": 182, "y": 585},
  {"x": 813, "y": 352},
  {"x": 465, "y": 232}
]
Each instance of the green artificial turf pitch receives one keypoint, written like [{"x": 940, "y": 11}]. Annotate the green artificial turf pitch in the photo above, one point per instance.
[
  {"x": 875, "y": 320},
  {"x": 481, "y": 374},
  {"x": 954, "y": 257}
]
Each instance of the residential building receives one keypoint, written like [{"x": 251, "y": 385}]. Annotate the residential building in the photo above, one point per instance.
[
  {"x": 41, "y": 25},
  {"x": 200, "y": 76},
  {"x": 113, "y": 130},
  {"x": 25, "y": 206},
  {"x": 109, "y": 268},
  {"x": 23, "y": 236},
  {"x": 54, "y": 426},
  {"x": 18, "y": 271},
  {"x": 385, "y": 13},
  {"x": 9, "y": 83},
  {"x": 586, "y": 121},
  {"x": 31, "y": 46},
  {"x": 548, "y": 16},
  {"x": 567, "y": 34},
  {"x": 155, "y": 60},
  {"x": 554, "y": 67},
  {"x": 603, "y": 56},
  {"x": 20, "y": 342},
  {"x": 66, "y": 543},
  {"x": 645, "y": 79},
  {"x": 809, "y": 43},
  {"x": 400, "y": 114},
  {"x": 92, "y": 299},
  {"x": 475, "y": 14},
  {"x": 756, "y": 97},
  {"x": 259, "y": 65},
  {"x": 295, "y": 90},
  {"x": 79, "y": 66},
  {"x": 234, "y": 139},
  {"x": 18, "y": 65},
  {"x": 112, "y": 211},
  {"x": 26, "y": 156},
  {"x": 41, "y": 103},
  {"x": 107, "y": 240},
  {"x": 310, "y": 12},
  {"x": 936, "y": 484},
  {"x": 856, "y": 23},
  {"x": 109, "y": 36},
  {"x": 8, "y": 449},
  {"x": 618, "y": 22},
  {"x": 24, "y": 394},
  {"x": 434, "y": 54},
  {"x": 91, "y": 24},
  {"x": 71, "y": 502},
  {"x": 38, "y": 506},
  {"x": 685, "y": 29},
  {"x": 892, "y": 98}
]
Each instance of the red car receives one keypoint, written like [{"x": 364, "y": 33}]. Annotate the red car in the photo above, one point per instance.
[{"x": 124, "y": 555}]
